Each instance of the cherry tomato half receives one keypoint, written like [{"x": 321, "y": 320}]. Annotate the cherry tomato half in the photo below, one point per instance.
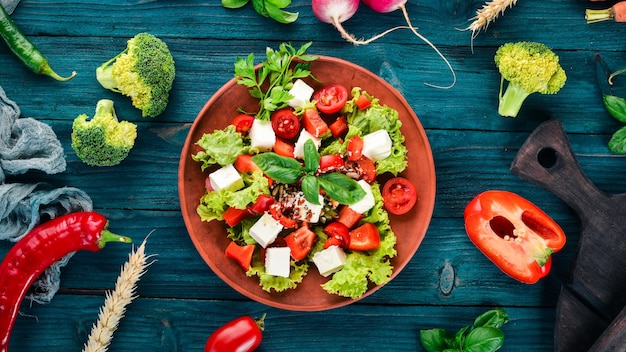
[
  {"x": 339, "y": 231},
  {"x": 243, "y": 123},
  {"x": 285, "y": 123},
  {"x": 331, "y": 99},
  {"x": 399, "y": 195}
]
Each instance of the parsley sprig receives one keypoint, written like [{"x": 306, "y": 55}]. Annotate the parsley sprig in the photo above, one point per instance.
[
  {"x": 266, "y": 8},
  {"x": 287, "y": 170},
  {"x": 273, "y": 80}
]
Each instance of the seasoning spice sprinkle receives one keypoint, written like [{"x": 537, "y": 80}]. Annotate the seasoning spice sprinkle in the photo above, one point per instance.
[{"x": 116, "y": 301}]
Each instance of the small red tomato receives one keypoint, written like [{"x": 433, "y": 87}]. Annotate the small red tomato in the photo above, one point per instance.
[
  {"x": 339, "y": 128},
  {"x": 285, "y": 123},
  {"x": 243, "y": 334},
  {"x": 313, "y": 123},
  {"x": 363, "y": 102},
  {"x": 365, "y": 237},
  {"x": 243, "y": 123},
  {"x": 301, "y": 242},
  {"x": 244, "y": 164},
  {"x": 399, "y": 195},
  {"x": 330, "y": 162},
  {"x": 339, "y": 231},
  {"x": 355, "y": 148},
  {"x": 331, "y": 99},
  {"x": 284, "y": 148}
]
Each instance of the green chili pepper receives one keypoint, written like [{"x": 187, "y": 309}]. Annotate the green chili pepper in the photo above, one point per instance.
[{"x": 24, "y": 50}]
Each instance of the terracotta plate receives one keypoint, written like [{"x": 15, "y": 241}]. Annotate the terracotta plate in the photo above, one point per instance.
[{"x": 210, "y": 238}]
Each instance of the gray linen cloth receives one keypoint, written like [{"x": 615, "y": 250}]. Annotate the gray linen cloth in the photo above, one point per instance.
[
  {"x": 9, "y": 5},
  {"x": 27, "y": 144}
]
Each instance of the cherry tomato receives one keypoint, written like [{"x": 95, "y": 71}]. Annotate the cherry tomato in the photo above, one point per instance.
[
  {"x": 243, "y": 123},
  {"x": 313, "y": 123},
  {"x": 284, "y": 148},
  {"x": 514, "y": 234},
  {"x": 330, "y": 162},
  {"x": 241, "y": 254},
  {"x": 399, "y": 195},
  {"x": 355, "y": 148},
  {"x": 243, "y": 334},
  {"x": 365, "y": 237},
  {"x": 244, "y": 164},
  {"x": 301, "y": 242},
  {"x": 364, "y": 168},
  {"x": 285, "y": 123},
  {"x": 331, "y": 99},
  {"x": 339, "y": 231},
  {"x": 339, "y": 128}
]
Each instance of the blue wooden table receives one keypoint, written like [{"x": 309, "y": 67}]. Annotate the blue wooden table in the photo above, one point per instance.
[{"x": 447, "y": 283}]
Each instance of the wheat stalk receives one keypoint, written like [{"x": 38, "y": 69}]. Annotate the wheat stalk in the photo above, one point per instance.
[
  {"x": 490, "y": 11},
  {"x": 116, "y": 301}
]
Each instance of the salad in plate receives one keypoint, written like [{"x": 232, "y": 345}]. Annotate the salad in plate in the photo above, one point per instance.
[{"x": 298, "y": 182}]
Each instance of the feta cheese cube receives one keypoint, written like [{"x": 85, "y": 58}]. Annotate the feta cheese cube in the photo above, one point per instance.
[
  {"x": 262, "y": 135},
  {"x": 367, "y": 202},
  {"x": 308, "y": 211},
  {"x": 278, "y": 261},
  {"x": 330, "y": 260},
  {"x": 227, "y": 177},
  {"x": 265, "y": 230},
  {"x": 377, "y": 145},
  {"x": 298, "y": 150},
  {"x": 301, "y": 93}
]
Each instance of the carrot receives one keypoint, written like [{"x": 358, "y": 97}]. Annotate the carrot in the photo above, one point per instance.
[{"x": 616, "y": 13}]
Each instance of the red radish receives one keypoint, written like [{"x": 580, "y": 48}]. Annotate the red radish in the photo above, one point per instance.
[
  {"x": 386, "y": 6},
  {"x": 336, "y": 12}
]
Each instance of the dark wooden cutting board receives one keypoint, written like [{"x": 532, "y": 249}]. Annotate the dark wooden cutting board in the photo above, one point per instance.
[{"x": 595, "y": 292}]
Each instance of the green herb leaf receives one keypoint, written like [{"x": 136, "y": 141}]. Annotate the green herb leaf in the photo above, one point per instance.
[
  {"x": 280, "y": 168},
  {"x": 279, "y": 15},
  {"x": 311, "y": 157},
  {"x": 494, "y": 318},
  {"x": 484, "y": 339},
  {"x": 341, "y": 188},
  {"x": 234, "y": 4},
  {"x": 616, "y": 106},
  {"x": 310, "y": 188},
  {"x": 617, "y": 143},
  {"x": 436, "y": 340}
]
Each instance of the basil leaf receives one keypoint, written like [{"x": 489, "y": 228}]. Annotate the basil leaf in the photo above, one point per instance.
[
  {"x": 459, "y": 337},
  {"x": 311, "y": 190},
  {"x": 617, "y": 143},
  {"x": 435, "y": 340},
  {"x": 494, "y": 318},
  {"x": 259, "y": 7},
  {"x": 234, "y": 4},
  {"x": 279, "y": 15},
  {"x": 280, "y": 168},
  {"x": 341, "y": 188},
  {"x": 616, "y": 106},
  {"x": 311, "y": 157},
  {"x": 484, "y": 339}
]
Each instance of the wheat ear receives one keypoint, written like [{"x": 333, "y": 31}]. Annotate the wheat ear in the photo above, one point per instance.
[
  {"x": 116, "y": 301},
  {"x": 490, "y": 11}
]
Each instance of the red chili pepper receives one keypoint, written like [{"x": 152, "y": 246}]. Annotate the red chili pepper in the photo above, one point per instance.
[
  {"x": 243, "y": 334},
  {"x": 40, "y": 248},
  {"x": 517, "y": 236}
]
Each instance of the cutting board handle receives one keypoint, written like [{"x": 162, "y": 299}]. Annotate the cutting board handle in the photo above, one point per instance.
[{"x": 547, "y": 159}]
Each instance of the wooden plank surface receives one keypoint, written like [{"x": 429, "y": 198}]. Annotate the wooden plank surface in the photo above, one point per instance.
[{"x": 447, "y": 283}]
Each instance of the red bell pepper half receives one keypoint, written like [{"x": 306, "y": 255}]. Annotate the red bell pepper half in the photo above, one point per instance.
[{"x": 517, "y": 236}]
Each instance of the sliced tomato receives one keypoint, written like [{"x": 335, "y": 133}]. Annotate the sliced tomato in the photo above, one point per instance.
[
  {"x": 313, "y": 123},
  {"x": 364, "y": 168},
  {"x": 330, "y": 162},
  {"x": 284, "y": 148},
  {"x": 339, "y": 128},
  {"x": 233, "y": 216},
  {"x": 363, "y": 102},
  {"x": 399, "y": 195},
  {"x": 331, "y": 99},
  {"x": 355, "y": 148},
  {"x": 244, "y": 164},
  {"x": 262, "y": 204},
  {"x": 301, "y": 242},
  {"x": 349, "y": 217},
  {"x": 365, "y": 238},
  {"x": 241, "y": 254},
  {"x": 285, "y": 123},
  {"x": 332, "y": 241},
  {"x": 243, "y": 123},
  {"x": 340, "y": 231},
  {"x": 514, "y": 234},
  {"x": 278, "y": 215}
]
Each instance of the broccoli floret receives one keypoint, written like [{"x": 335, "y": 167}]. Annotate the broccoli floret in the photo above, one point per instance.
[
  {"x": 144, "y": 71},
  {"x": 529, "y": 67},
  {"x": 102, "y": 140}
]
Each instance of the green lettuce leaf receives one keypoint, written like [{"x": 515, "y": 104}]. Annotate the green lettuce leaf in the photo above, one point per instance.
[{"x": 220, "y": 147}]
